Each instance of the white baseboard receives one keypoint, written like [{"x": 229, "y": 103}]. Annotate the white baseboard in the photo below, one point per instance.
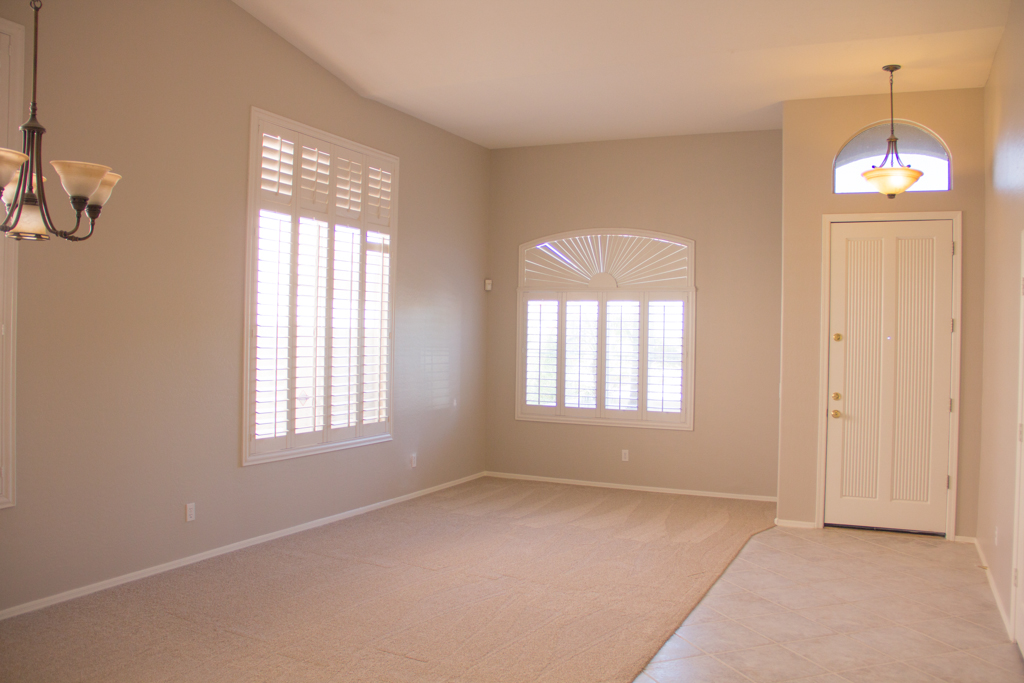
[
  {"x": 995, "y": 591},
  {"x": 627, "y": 487},
  {"x": 967, "y": 539},
  {"x": 795, "y": 524},
  {"x": 174, "y": 564}
]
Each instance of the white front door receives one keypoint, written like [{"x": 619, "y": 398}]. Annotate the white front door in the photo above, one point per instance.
[{"x": 890, "y": 316}]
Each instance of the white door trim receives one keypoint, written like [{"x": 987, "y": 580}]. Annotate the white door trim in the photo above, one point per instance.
[
  {"x": 826, "y": 281},
  {"x": 1018, "y": 508}
]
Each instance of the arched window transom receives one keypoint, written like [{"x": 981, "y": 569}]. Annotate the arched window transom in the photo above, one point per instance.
[{"x": 918, "y": 147}]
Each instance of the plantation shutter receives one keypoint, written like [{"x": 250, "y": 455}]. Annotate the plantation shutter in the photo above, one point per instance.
[
  {"x": 622, "y": 356},
  {"x": 321, "y": 291},
  {"x": 582, "y": 345},
  {"x": 277, "y": 164},
  {"x": 665, "y": 356}
]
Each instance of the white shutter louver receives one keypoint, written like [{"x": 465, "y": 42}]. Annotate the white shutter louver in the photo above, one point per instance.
[
  {"x": 542, "y": 353},
  {"x": 345, "y": 327},
  {"x": 581, "y": 325},
  {"x": 320, "y": 303},
  {"x": 622, "y": 356},
  {"x": 277, "y": 165},
  {"x": 348, "y": 174},
  {"x": 665, "y": 356},
  {"x": 273, "y": 324},
  {"x": 378, "y": 192},
  {"x": 376, "y": 332},
  {"x": 315, "y": 174}
]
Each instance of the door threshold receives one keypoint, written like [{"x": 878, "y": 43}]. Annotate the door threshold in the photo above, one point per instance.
[{"x": 940, "y": 534}]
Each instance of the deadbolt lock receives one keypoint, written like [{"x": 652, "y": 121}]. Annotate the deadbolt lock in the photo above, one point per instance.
[
  {"x": 837, "y": 336},
  {"x": 836, "y": 413},
  {"x": 836, "y": 396}
]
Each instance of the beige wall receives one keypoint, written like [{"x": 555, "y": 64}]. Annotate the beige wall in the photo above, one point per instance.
[
  {"x": 1004, "y": 221},
  {"x": 813, "y": 133},
  {"x": 129, "y": 374},
  {"x": 723, "y": 192}
]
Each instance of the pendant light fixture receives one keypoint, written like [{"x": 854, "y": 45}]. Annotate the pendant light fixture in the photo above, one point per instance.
[
  {"x": 896, "y": 178},
  {"x": 21, "y": 176}
]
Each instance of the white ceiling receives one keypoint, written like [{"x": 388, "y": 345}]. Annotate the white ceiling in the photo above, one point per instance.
[{"x": 528, "y": 72}]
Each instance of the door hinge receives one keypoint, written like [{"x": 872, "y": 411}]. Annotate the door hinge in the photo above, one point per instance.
[
  {"x": 952, "y": 325},
  {"x": 954, "y": 248},
  {"x": 949, "y": 479},
  {"x": 951, "y": 405}
]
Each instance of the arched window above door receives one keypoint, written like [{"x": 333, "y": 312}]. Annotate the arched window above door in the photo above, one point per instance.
[{"x": 919, "y": 147}]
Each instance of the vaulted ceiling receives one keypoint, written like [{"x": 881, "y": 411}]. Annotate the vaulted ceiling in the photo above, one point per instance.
[{"x": 508, "y": 73}]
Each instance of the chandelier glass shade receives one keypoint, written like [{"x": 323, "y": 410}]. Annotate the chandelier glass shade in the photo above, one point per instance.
[
  {"x": 897, "y": 177},
  {"x": 21, "y": 177}
]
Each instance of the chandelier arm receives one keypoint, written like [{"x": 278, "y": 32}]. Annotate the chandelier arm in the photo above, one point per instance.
[{"x": 94, "y": 213}]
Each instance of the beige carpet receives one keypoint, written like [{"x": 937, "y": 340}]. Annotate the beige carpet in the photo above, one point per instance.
[{"x": 493, "y": 580}]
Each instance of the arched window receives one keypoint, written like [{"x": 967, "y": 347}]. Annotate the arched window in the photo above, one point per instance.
[
  {"x": 918, "y": 147},
  {"x": 606, "y": 329}
]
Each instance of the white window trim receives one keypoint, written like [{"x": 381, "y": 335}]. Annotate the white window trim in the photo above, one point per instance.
[
  {"x": 9, "y": 275},
  {"x": 561, "y": 414},
  {"x": 385, "y": 430}
]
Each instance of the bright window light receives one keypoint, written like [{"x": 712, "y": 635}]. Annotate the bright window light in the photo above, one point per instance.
[{"x": 935, "y": 178}]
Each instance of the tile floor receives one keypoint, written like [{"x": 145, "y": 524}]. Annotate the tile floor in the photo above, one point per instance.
[{"x": 839, "y": 605}]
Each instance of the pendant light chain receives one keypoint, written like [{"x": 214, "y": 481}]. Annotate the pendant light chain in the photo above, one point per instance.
[{"x": 897, "y": 177}]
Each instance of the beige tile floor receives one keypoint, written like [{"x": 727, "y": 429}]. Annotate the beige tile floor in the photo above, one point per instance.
[{"x": 839, "y": 605}]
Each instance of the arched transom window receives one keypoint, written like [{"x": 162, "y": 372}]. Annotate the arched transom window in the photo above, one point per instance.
[
  {"x": 606, "y": 329},
  {"x": 918, "y": 147}
]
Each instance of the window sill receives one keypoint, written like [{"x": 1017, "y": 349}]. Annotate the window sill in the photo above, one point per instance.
[
  {"x": 257, "y": 459},
  {"x": 603, "y": 422}
]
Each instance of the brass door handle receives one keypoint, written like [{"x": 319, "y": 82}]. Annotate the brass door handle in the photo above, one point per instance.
[
  {"x": 836, "y": 413},
  {"x": 836, "y": 396}
]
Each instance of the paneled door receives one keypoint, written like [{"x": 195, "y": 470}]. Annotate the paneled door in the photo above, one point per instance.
[{"x": 889, "y": 371}]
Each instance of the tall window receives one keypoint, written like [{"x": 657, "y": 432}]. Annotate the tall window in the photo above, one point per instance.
[
  {"x": 606, "y": 329},
  {"x": 322, "y": 231},
  {"x": 12, "y": 53}
]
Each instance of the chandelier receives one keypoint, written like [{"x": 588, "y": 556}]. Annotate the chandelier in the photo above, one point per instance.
[
  {"x": 21, "y": 176},
  {"x": 896, "y": 178}
]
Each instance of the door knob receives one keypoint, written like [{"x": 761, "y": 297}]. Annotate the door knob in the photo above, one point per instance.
[
  {"x": 836, "y": 413},
  {"x": 836, "y": 396},
  {"x": 837, "y": 336}
]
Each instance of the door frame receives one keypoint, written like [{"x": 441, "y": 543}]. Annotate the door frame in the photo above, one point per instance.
[
  {"x": 954, "y": 376},
  {"x": 1018, "y": 504}
]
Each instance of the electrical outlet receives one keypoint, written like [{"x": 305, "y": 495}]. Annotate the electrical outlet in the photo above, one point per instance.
[
  {"x": 412, "y": 460},
  {"x": 190, "y": 512},
  {"x": 625, "y": 455}
]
